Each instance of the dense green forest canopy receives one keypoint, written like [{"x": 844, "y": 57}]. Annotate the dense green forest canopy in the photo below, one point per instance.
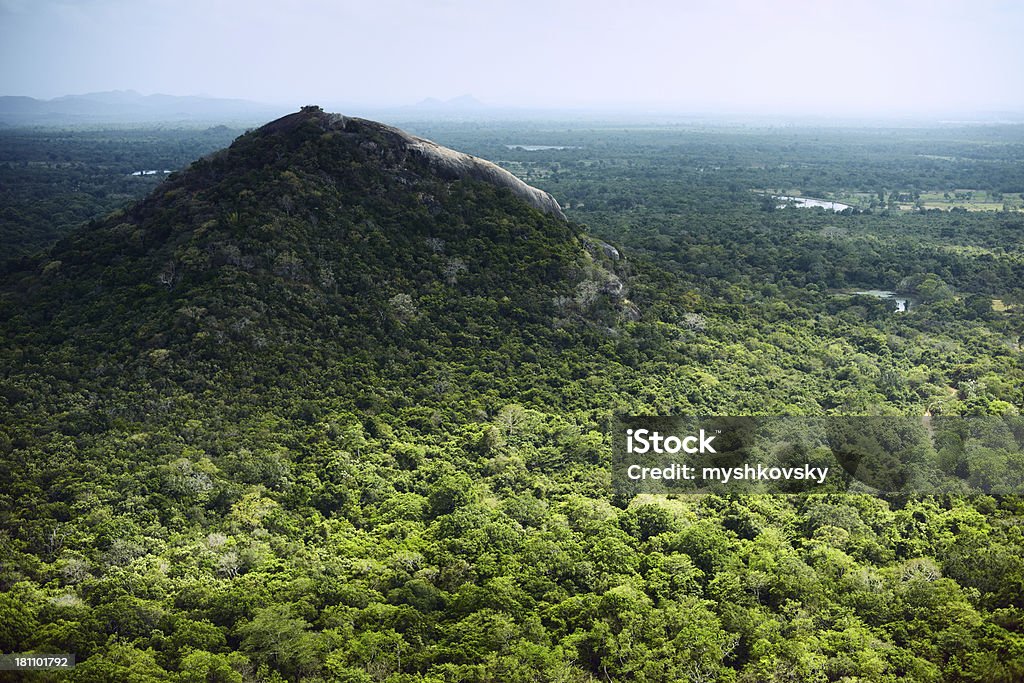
[
  {"x": 52, "y": 180},
  {"x": 310, "y": 412}
]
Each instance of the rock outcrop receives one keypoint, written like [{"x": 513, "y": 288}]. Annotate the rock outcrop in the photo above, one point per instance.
[{"x": 445, "y": 162}]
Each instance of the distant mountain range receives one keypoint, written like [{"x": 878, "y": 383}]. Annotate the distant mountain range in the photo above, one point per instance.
[{"x": 129, "y": 106}]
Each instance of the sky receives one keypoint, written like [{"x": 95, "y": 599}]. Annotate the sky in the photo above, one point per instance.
[{"x": 688, "y": 56}]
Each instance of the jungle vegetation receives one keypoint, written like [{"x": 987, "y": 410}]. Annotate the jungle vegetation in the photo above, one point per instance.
[{"x": 305, "y": 414}]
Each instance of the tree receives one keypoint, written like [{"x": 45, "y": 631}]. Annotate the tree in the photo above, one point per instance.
[{"x": 282, "y": 640}]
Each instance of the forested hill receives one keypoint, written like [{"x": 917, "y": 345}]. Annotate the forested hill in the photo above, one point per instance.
[
  {"x": 314, "y": 319},
  {"x": 335, "y": 234}
]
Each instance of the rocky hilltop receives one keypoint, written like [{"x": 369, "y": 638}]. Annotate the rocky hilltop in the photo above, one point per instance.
[
  {"x": 445, "y": 162},
  {"x": 320, "y": 225}
]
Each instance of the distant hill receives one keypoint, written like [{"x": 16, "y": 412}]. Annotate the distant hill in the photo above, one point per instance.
[{"x": 128, "y": 106}]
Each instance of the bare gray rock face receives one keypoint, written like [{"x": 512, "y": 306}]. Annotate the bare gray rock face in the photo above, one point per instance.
[
  {"x": 609, "y": 251},
  {"x": 446, "y": 162}
]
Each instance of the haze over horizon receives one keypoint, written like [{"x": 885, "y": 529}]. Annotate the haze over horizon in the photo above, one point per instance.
[{"x": 871, "y": 58}]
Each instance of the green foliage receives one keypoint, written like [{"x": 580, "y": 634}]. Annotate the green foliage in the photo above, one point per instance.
[
  {"x": 53, "y": 180},
  {"x": 310, "y": 412}
]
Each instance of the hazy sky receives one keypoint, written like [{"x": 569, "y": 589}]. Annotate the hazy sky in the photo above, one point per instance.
[{"x": 874, "y": 56}]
